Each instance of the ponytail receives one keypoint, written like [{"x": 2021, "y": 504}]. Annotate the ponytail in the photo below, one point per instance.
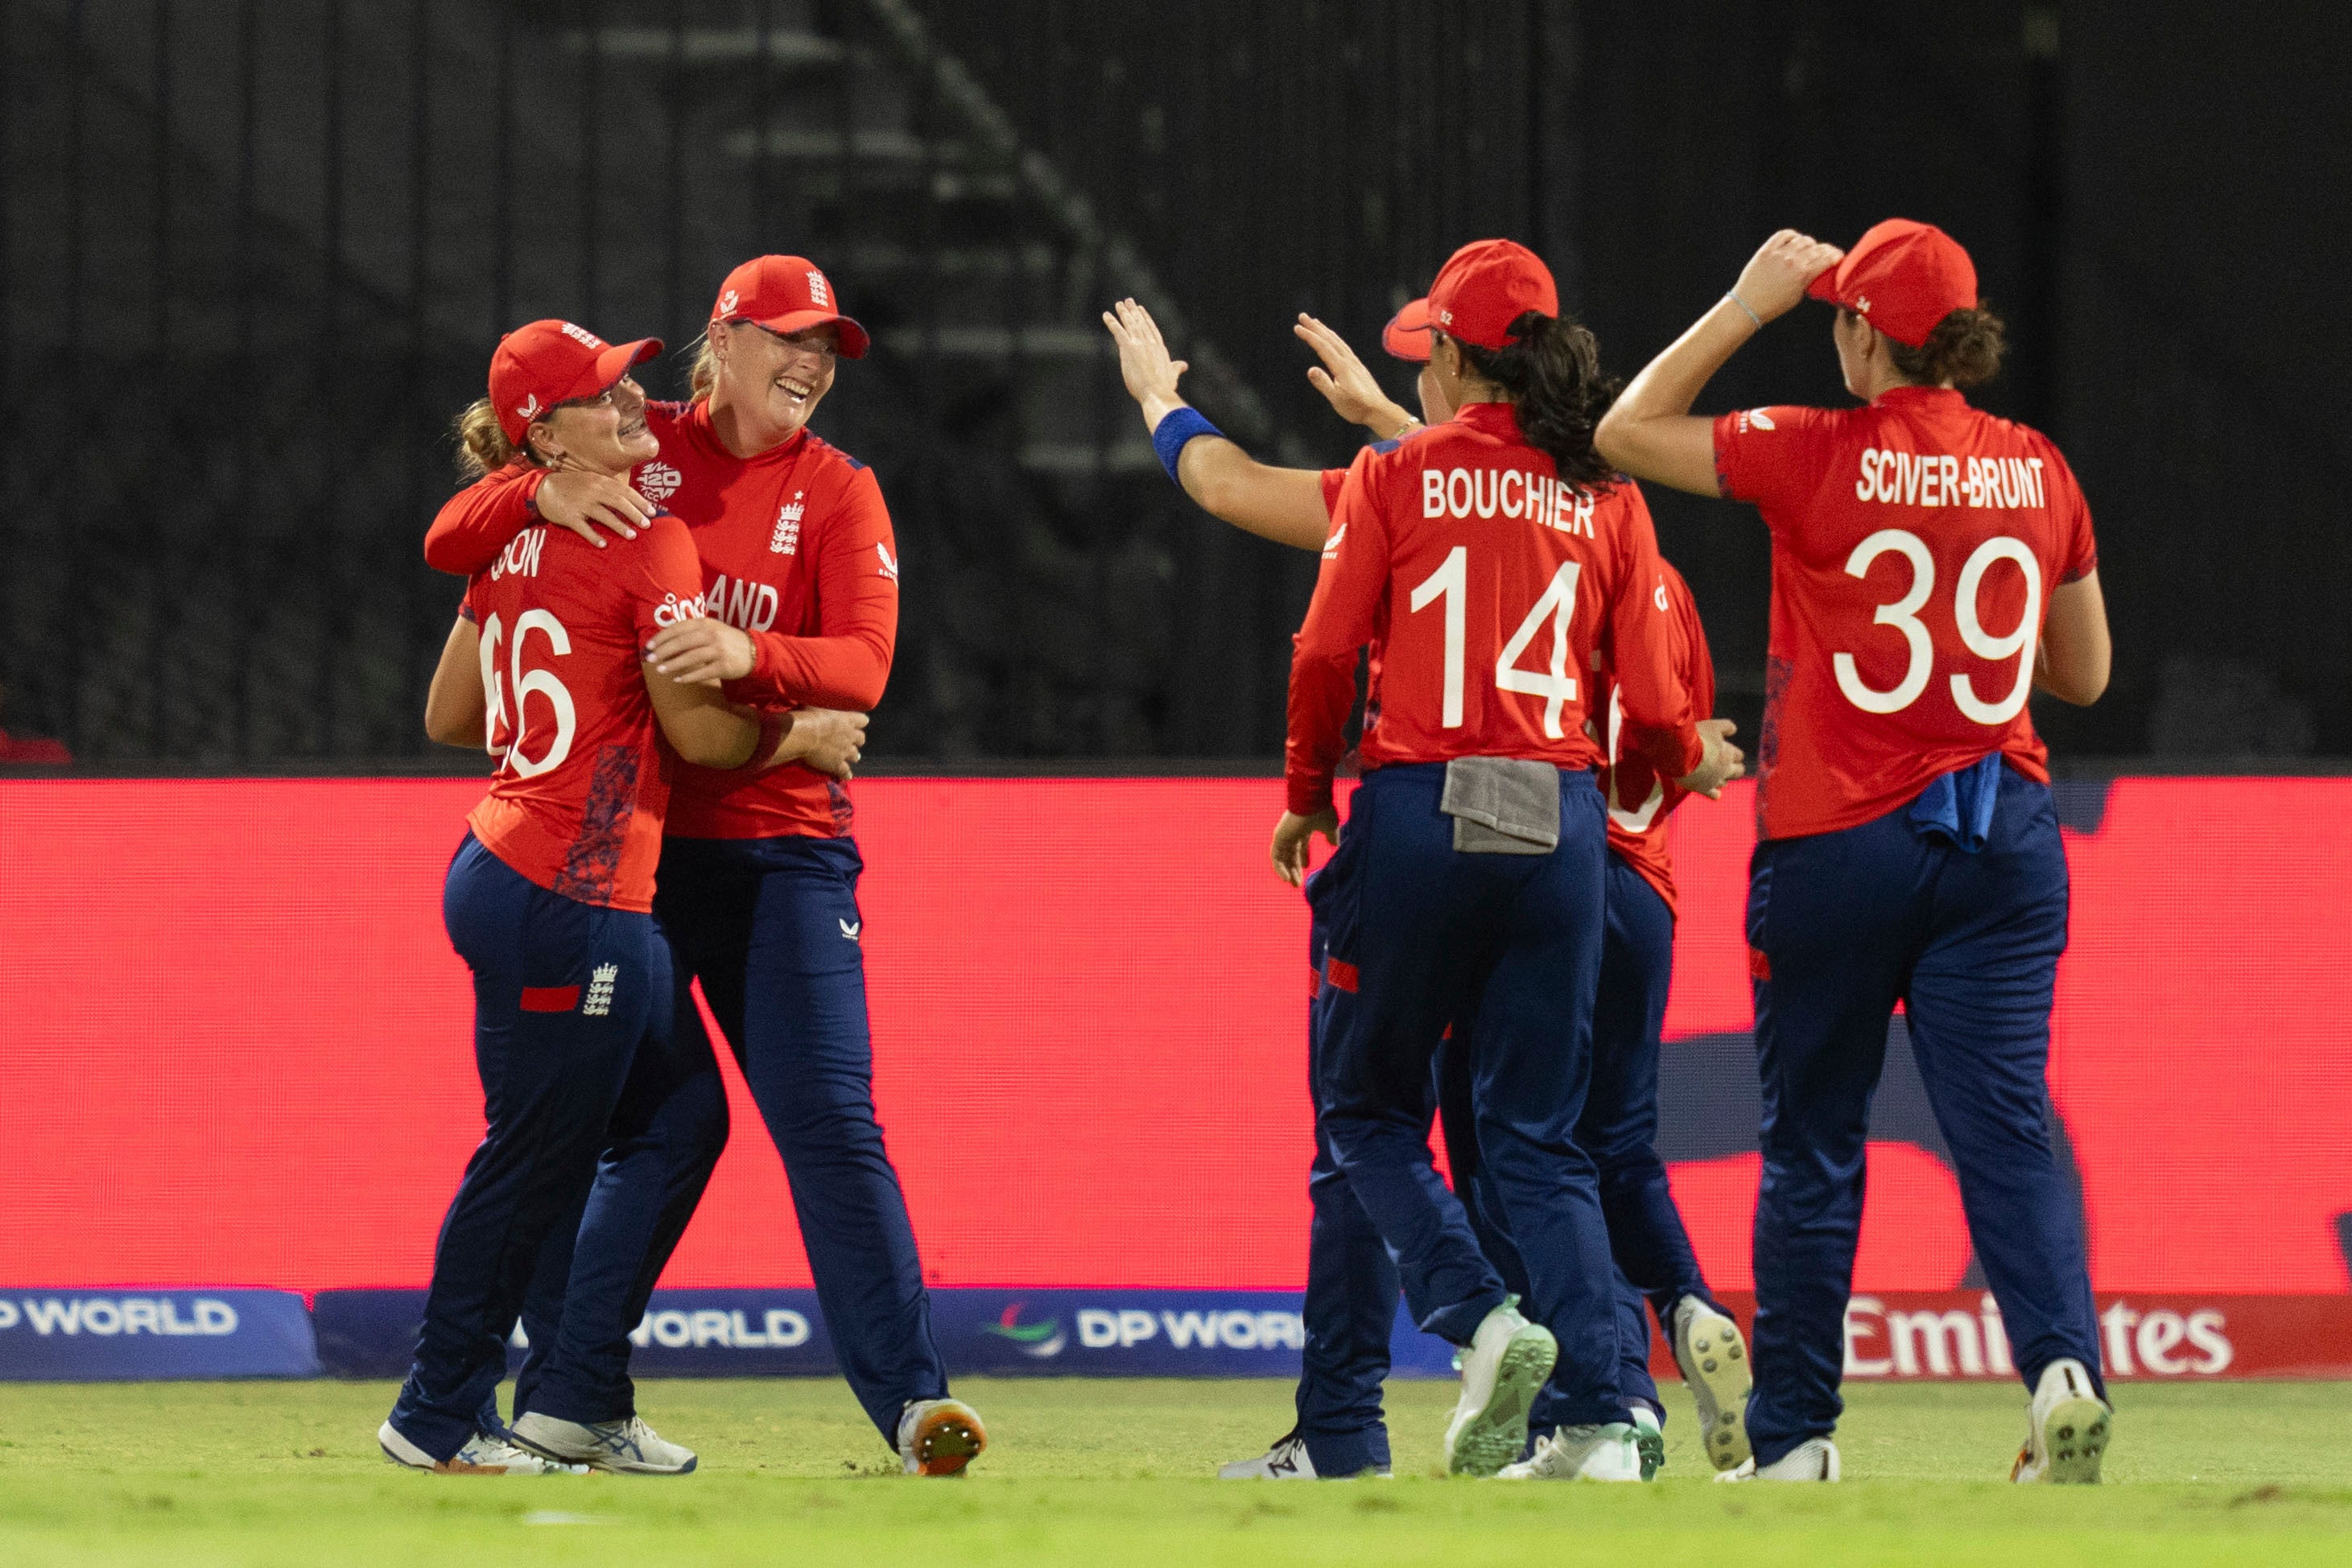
[
  {"x": 1551, "y": 368},
  {"x": 1965, "y": 350},
  {"x": 482, "y": 444}
]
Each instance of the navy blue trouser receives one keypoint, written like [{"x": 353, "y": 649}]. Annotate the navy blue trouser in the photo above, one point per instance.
[
  {"x": 564, "y": 993},
  {"x": 1429, "y": 936},
  {"x": 596, "y": 1274},
  {"x": 770, "y": 926},
  {"x": 1847, "y": 924},
  {"x": 1618, "y": 1129}
]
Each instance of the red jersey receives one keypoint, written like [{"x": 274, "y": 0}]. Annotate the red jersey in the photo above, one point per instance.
[
  {"x": 1490, "y": 594},
  {"x": 1915, "y": 545},
  {"x": 1640, "y": 797},
  {"x": 796, "y": 550},
  {"x": 583, "y": 777}
]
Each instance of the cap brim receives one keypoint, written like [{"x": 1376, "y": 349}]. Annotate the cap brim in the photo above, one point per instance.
[
  {"x": 1406, "y": 337},
  {"x": 1826, "y": 288},
  {"x": 608, "y": 367},
  {"x": 854, "y": 341}
]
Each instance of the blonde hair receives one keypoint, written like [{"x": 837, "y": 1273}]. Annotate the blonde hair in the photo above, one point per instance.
[
  {"x": 482, "y": 444},
  {"x": 704, "y": 374}
]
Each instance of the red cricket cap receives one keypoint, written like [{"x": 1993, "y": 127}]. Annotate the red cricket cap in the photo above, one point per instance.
[
  {"x": 552, "y": 362},
  {"x": 1407, "y": 334},
  {"x": 785, "y": 294},
  {"x": 1484, "y": 287},
  {"x": 1903, "y": 278}
]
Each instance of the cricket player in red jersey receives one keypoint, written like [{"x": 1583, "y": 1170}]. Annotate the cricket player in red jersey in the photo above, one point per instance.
[
  {"x": 1469, "y": 884},
  {"x": 1930, "y": 564},
  {"x": 549, "y": 900},
  {"x": 759, "y": 875},
  {"x": 1340, "y": 1431}
]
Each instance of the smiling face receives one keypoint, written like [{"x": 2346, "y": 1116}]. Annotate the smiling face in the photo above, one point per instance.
[
  {"x": 605, "y": 433},
  {"x": 770, "y": 383}
]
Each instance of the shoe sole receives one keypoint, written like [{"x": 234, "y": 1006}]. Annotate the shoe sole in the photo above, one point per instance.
[
  {"x": 2074, "y": 1439},
  {"x": 1653, "y": 1449},
  {"x": 948, "y": 1440},
  {"x": 1496, "y": 1435},
  {"x": 1715, "y": 1368}
]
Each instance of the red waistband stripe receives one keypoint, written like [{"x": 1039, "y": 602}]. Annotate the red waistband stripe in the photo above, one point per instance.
[
  {"x": 550, "y": 998},
  {"x": 1340, "y": 973}
]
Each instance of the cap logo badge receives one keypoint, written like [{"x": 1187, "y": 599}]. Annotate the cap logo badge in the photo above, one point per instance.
[
  {"x": 1861, "y": 304},
  {"x": 583, "y": 335},
  {"x": 727, "y": 303},
  {"x": 529, "y": 409},
  {"x": 818, "y": 291}
]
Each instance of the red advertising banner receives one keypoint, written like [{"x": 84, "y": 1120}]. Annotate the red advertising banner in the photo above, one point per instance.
[{"x": 234, "y": 1047}]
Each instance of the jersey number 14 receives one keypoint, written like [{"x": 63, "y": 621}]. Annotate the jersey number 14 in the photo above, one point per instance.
[{"x": 1557, "y": 601}]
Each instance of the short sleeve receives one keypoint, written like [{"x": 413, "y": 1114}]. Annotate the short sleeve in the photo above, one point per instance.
[
  {"x": 468, "y": 609},
  {"x": 2070, "y": 521},
  {"x": 1767, "y": 457},
  {"x": 1334, "y": 480},
  {"x": 666, "y": 585}
]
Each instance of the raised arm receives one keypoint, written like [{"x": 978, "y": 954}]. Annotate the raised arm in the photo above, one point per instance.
[
  {"x": 1285, "y": 505},
  {"x": 1650, "y": 431}
]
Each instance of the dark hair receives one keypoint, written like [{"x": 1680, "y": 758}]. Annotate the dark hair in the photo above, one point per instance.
[
  {"x": 1551, "y": 368},
  {"x": 1965, "y": 349}
]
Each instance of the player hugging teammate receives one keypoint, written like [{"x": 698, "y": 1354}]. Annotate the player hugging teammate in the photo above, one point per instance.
[
  {"x": 780, "y": 620},
  {"x": 1909, "y": 852}
]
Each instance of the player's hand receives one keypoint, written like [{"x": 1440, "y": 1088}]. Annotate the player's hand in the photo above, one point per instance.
[
  {"x": 1346, "y": 383},
  {"x": 1144, "y": 362},
  {"x": 1290, "y": 837},
  {"x": 1721, "y": 762},
  {"x": 585, "y": 502},
  {"x": 705, "y": 651},
  {"x": 825, "y": 738},
  {"x": 1775, "y": 277}
]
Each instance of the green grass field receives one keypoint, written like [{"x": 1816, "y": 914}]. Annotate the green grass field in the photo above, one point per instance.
[{"x": 1089, "y": 1472}]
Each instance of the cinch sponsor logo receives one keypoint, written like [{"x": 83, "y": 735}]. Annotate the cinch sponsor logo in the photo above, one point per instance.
[
  {"x": 672, "y": 609},
  {"x": 109, "y": 1315},
  {"x": 780, "y": 1327},
  {"x": 1101, "y": 1329},
  {"x": 1462, "y": 492},
  {"x": 1040, "y": 1340},
  {"x": 1881, "y": 1342}
]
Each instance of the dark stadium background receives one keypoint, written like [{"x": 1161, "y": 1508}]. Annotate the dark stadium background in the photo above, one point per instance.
[{"x": 256, "y": 253}]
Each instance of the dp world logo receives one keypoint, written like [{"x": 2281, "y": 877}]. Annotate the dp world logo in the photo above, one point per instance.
[{"x": 1041, "y": 1340}]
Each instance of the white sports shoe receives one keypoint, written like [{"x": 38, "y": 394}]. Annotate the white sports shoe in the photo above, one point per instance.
[
  {"x": 1503, "y": 1370},
  {"x": 483, "y": 1455},
  {"x": 2066, "y": 1429},
  {"x": 1714, "y": 1361},
  {"x": 940, "y": 1437},
  {"x": 628, "y": 1448},
  {"x": 1287, "y": 1460},
  {"x": 1814, "y": 1459},
  {"x": 1582, "y": 1454}
]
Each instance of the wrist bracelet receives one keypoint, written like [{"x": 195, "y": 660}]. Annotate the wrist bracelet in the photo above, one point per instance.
[
  {"x": 1170, "y": 436},
  {"x": 1733, "y": 295}
]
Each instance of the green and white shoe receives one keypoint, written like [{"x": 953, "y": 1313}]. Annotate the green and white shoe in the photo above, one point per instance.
[
  {"x": 1609, "y": 1452},
  {"x": 2066, "y": 1429},
  {"x": 1505, "y": 1366},
  {"x": 1649, "y": 1441}
]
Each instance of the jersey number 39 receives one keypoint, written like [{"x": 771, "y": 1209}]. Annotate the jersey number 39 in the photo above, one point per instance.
[{"x": 1904, "y": 615}]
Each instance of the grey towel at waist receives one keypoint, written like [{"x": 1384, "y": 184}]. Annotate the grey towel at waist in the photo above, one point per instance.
[{"x": 1502, "y": 805}]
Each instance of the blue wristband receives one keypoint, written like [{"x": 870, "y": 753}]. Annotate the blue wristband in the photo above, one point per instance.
[{"x": 1168, "y": 437}]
